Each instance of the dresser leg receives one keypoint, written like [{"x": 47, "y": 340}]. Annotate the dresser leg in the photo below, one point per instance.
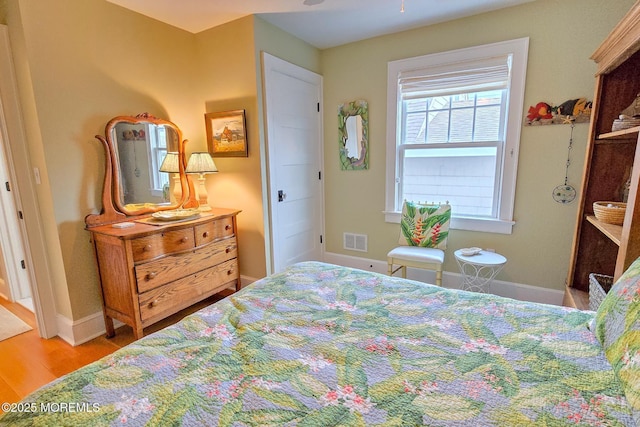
[
  {"x": 138, "y": 332},
  {"x": 108, "y": 324}
]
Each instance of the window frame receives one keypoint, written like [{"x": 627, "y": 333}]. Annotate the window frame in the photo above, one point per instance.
[
  {"x": 156, "y": 151},
  {"x": 503, "y": 223}
]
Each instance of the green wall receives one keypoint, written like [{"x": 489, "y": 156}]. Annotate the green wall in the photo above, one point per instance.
[
  {"x": 226, "y": 81},
  {"x": 103, "y": 61},
  {"x": 563, "y": 34},
  {"x": 106, "y": 61}
]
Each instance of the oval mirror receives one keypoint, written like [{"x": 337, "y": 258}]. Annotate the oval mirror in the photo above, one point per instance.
[
  {"x": 353, "y": 130},
  {"x": 147, "y": 162}
]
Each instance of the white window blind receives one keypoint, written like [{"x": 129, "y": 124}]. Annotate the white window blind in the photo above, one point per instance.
[{"x": 462, "y": 77}]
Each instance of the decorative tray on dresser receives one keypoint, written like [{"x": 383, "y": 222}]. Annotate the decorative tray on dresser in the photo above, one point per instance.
[{"x": 154, "y": 269}]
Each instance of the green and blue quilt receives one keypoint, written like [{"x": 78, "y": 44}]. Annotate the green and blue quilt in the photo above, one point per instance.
[{"x": 323, "y": 345}]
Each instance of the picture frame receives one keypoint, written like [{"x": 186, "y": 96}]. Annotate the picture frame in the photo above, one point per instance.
[{"x": 227, "y": 133}]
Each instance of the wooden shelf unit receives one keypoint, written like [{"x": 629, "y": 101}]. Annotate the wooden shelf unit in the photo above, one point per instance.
[
  {"x": 612, "y": 231},
  {"x": 576, "y": 298},
  {"x": 611, "y": 157},
  {"x": 630, "y": 134}
]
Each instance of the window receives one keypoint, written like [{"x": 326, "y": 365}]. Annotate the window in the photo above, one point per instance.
[
  {"x": 453, "y": 132},
  {"x": 157, "y": 153}
]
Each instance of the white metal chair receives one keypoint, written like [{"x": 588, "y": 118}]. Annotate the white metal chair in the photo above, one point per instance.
[{"x": 423, "y": 239}]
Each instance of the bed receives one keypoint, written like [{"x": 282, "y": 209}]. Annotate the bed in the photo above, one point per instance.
[{"x": 324, "y": 345}]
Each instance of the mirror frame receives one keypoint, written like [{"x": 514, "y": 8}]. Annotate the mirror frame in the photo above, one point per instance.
[
  {"x": 113, "y": 209},
  {"x": 346, "y": 110}
]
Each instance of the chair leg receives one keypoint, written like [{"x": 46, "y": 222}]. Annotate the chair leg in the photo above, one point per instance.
[
  {"x": 389, "y": 268},
  {"x": 439, "y": 278},
  {"x": 404, "y": 271}
]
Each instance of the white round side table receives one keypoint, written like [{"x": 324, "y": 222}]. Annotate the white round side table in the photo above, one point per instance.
[{"x": 479, "y": 270}]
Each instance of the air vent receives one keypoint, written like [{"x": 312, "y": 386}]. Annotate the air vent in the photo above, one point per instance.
[{"x": 355, "y": 242}]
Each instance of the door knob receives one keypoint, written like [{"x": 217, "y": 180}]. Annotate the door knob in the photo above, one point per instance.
[{"x": 281, "y": 196}]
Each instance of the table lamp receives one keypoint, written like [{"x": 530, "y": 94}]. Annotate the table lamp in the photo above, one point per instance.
[
  {"x": 171, "y": 164},
  {"x": 202, "y": 164}
]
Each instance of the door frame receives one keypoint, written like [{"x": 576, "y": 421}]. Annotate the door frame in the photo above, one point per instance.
[
  {"x": 270, "y": 61},
  {"x": 11, "y": 233},
  {"x": 25, "y": 196}
]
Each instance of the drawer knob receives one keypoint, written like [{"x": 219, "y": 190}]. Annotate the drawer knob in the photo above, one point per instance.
[
  {"x": 184, "y": 239},
  {"x": 205, "y": 234},
  {"x": 229, "y": 272},
  {"x": 152, "y": 275},
  {"x": 227, "y": 227},
  {"x": 153, "y": 303},
  {"x": 147, "y": 248},
  {"x": 227, "y": 250}
]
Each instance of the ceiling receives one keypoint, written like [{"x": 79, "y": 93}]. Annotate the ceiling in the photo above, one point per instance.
[{"x": 321, "y": 23}]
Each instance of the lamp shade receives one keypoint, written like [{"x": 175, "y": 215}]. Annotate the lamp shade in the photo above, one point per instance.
[
  {"x": 170, "y": 163},
  {"x": 201, "y": 163}
]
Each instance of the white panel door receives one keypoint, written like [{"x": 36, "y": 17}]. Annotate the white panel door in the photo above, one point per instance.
[
  {"x": 294, "y": 147},
  {"x": 17, "y": 282}
]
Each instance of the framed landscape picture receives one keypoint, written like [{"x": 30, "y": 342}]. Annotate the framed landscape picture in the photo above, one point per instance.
[{"x": 227, "y": 133}]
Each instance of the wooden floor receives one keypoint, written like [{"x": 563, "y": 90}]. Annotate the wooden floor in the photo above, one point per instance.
[{"x": 28, "y": 362}]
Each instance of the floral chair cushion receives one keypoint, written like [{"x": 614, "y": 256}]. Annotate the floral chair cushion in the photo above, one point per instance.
[
  {"x": 617, "y": 327},
  {"x": 425, "y": 225}
]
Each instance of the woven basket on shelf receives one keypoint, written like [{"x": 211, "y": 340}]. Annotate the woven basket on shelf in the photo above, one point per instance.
[
  {"x": 599, "y": 285},
  {"x": 610, "y": 212}
]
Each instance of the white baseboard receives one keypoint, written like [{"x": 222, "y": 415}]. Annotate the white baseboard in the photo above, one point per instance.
[
  {"x": 82, "y": 330},
  {"x": 453, "y": 280},
  {"x": 92, "y": 326}
]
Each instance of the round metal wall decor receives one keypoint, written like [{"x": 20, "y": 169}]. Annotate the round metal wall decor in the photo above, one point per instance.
[{"x": 566, "y": 193}]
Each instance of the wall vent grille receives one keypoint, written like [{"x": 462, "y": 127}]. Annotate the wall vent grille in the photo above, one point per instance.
[{"x": 355, "y": 242}]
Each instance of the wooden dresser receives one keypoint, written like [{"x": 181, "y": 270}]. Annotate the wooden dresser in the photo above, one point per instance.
[{"x": 148, "y": 272}]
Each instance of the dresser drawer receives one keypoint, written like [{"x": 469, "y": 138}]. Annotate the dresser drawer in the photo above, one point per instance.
[
  {"x": 214, "y": 230},
  {"x": 170, "y": 298},
  {"x": 156, "y": 273},
  {"x": 166, "y": 242}
]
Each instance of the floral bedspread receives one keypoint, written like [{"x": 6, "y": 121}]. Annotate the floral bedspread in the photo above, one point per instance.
[{"x": 322, "y": 345}]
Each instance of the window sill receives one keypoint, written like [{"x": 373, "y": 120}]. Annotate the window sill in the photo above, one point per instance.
[{"x": 466, "y": 223}]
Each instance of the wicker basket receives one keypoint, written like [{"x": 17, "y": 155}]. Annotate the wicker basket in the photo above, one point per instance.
[
  {"x": 610, "y": 212},
  {"x": 599, "y": 285}
]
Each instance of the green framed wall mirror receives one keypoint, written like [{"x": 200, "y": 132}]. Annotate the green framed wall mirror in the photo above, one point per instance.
[{"x": 353, "y": 134}]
